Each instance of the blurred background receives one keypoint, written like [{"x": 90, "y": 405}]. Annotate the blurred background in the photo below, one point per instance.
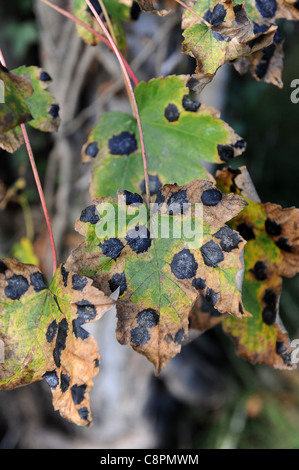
[{"x": 206, "y": 397}]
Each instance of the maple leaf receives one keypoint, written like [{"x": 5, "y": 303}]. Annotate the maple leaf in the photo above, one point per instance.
[
  {"x": 271, "y": 252},
  {"x": 159, "y": 277},
  {"x": 173, "y": 126},
  {"x": 43, "y": 336}
]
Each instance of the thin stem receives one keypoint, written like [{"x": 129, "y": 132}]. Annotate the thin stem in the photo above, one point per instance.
[
  {"x": 39, "y": 187},
  {"x": 132, "y": 95},
  {"x": 90, "y": 29},
  {"x": 106, "y": 15},
  {"x": 194, "y": 13},
  {"x": 41, "y": 195}
]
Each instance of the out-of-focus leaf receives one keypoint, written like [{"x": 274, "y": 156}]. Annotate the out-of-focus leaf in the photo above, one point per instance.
[
  {"x": 24, "y": 252},
  {"x": 160, "y": 7}
]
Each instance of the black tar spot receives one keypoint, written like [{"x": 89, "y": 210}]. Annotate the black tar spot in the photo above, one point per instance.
[
  {"x": 176, "y": 202},
  {"x": 64, "y": 382},
  {"x": 199, "y": 283},
  {"x": 51, "y": 331},
  {"x": 160, "y": 198},
  {"x": 283, "y": 244},
  {"x": 17, "y": 286},
  {"x": 96, "y": 362},
  {"x": 280, "y": 347},
  {"x": 118, "y": 280},
  {"x": 79, "y": 332},
  {"x": 218, "y": 15},
  {"x": 51, "y": 379},
  {"x": 269, "y": 312},
  {"x": 183, "y": 265},
  {"x": 211, "y": 197},
  {"x": 132, "y": 198},
  {"x": 124, "y": 143},
  {"x": 89, "y": 215},
  {"x": 154, "y": 184},
  {"x": 79, "y": 282},
  {"x": 148, "y": 318},
  {"x": 229, "y": 238},
  {"x": 96, "y": 6},
  {"x": 3, "y": 267},
  {"x": 86, "y": 311},
  {"x": 37, "y": 281},
  {"x": 140, "y": 336},
  {"x": 84, "y": 413},
  {"x": 239, "y": 144},
  {"x": 60, "y": 341},
  {"x": 212, "y": 254},
  {"x": 208, "y": 302},
  {"x": 207, "y": 16},
  {"x": 139, "y": 239},
  {"x": 171, "y": 113},
  {"x": 246, "y": 231},
  {"x": 44, "y": 76},
  {"x": 65, "y": 275},
  {"x": 225, "y": 152},
  {"x": 260, "y": 271},
  {"x": 267, "y": 8},
  {"x": 272, "y": 227},
  {"x": 135, "y": 11},
  {"x": 92, "y": 149},
  {"x": 179, "y": 336},
  {"x": 112, "y": 248},
  {"x": 259, "y": 28},
  {"x": 78, "y": 393},
  {"x": 278, "y": 36},
  {"x": 54, "y": 110},
  {"x": 190, "y": 105}
]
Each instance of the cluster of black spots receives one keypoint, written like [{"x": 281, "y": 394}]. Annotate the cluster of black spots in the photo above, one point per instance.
[
  {"x": 283, "y": 244},
  {"x": 246, "y": 231},
  {"x": 190, "y": 105},
  {"x": 65, "y": 275},
  {"x": 79, "y": 282},
  {"x": 262, "y": 67},
  {"x": 64, "y": 382},
  {"x": 45, "y": 77},
  {"x": 51, "y": 378},
  {"x": 60, "y": 341},
  {"x": 267, "y": 8},
  {"x": 218, "y": 15},
  {"x": 37, "y": 281},
  {"x": 260, "y": 271},
  {"x": 146, "y": 319},
  {"x": 132, "y": 198},
  {"x": 54, "y": 110},
  {"x": 211, "y": 197},
  {"x": 229, "y": 238},
  {"x": 154, "y": 185},
  {"x": 135, "y": 11},
  {"x": 178, "y": 338},
  {"x": 89, "y": 215},
  {"x": 171, "y": 113},
  {"x": 176, "y": 202},
  {"x": 124, "y": 143},
  {"x": 269, "y": 311},
  {"x": 78, "y": 393},
  {"x": 17, "y": 286},
  {"x": 212, "y": 254},
  {"x": 139, "y": 239},
  {"x": 92, "y": 149},
  {"x": 225, "y": 152},
  {"x": 208, "y": 302},
  {"x": 51, "y": 331},
  {"x": 272, "y": 227},
  {"x": 118, "y": 281},
  {"x": 183, "y": 265},
  {"x": 199, "y": 283},
  {"x": 112, "y": 247},
  {"x": 3, "y": 267},
  {"x": 84, "y": 413}
]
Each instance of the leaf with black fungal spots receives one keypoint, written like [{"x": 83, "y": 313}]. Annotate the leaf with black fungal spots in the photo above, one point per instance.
[
  {"x": 42, "y": 105},
  {"x": 158, "y": 276},
  {"x": 173, "y": 130},
  {"x": 266, "y": 263},
  {"x": 39, "y": 328}
]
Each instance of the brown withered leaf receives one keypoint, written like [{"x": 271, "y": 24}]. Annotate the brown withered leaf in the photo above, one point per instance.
[
  {"x": 159, "y": 273},
  {"x": 41, "y": 329},
  {"x": 159, "y": 7}
]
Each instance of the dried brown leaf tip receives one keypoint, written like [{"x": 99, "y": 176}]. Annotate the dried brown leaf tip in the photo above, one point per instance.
[
  {"x": 43, "y": 334},
  {"x": 160, "y": 275}
]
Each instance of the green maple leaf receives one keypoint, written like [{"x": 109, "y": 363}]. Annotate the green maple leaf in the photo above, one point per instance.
[{"x": 179, "y": 134}]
